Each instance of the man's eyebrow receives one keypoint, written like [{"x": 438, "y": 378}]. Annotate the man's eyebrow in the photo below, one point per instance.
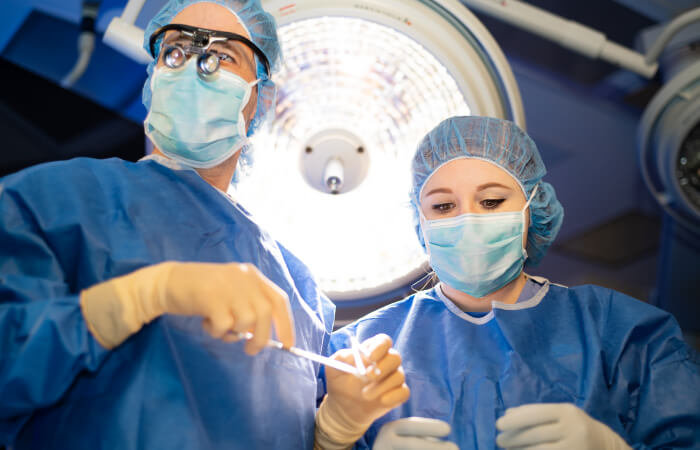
[
  {"x": 238, "y": 48},
  {"x": 234, "y": 46}
]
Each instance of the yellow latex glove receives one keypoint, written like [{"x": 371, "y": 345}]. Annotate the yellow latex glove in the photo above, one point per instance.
[
  {"x": 353, "y": 403},
  {"x": 230, "y": 297}
]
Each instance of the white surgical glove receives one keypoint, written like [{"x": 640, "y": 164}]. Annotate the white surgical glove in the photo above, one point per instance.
[
  {"x": 414, "y": 433},
  {"x": 555, "y": 426},
  {"x": 230, "y": 297}
]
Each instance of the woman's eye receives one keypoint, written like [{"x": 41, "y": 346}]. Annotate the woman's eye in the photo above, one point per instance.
[
  {"x": 491, "y": 203},
  {"x": 443, "y": 207}
]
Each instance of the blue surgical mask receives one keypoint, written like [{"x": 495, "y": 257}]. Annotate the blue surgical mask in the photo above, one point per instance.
[
  {"x": 477, "y": 253},
  {"x": 196, "y": 120}
]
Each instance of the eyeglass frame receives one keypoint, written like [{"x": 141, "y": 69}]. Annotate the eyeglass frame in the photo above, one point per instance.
[{"x": 202, "y": 36}]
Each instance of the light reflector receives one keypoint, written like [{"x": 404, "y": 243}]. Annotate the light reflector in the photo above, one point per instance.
[{"x": 366, "y": 78}]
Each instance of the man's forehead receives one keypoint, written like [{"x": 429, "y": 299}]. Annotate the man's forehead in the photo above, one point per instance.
[{"x": 211, "y": 16}]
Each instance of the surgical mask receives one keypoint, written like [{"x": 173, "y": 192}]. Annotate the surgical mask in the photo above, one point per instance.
[
  {"x": 477, "y": 253},
  {"x": 197, "y": 120}
]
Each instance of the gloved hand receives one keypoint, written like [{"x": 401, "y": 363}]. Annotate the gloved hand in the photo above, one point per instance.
[
  {"x": 555, "y": 425},
  {"x": 352, "y": 404},
  {"x": 230, "y": 297},
  {"x": 419, "y": 433}
]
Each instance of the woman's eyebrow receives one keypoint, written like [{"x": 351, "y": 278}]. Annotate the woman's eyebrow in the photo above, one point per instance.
[
  {"x": 490, "y": 185},
  {"x": 439, "y": 191}
]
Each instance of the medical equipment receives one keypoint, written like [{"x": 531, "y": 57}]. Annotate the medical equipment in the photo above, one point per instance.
[
  {"x": 669, "y": 131},
  {"x": 668, "y": 144},
  {"x": 338, "y": 365},
  {"x": 86, "y": 43},
  {"x": 359, "y": 370},
  {"x": 425, "y": 70},
  {"x": 211, "y": 46},
  {"x": 355, "y": 346}
]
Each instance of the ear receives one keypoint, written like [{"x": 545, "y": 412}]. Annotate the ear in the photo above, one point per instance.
[
  {"x": 254, "y": 101},
  {"x": 421, "y": 232},
  {"x": 250, "y": 108},
  {"x": 527, "y": 227}
]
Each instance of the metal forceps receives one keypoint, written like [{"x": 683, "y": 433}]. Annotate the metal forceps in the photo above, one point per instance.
[
  {"x": 339, "y": 365},
  {"x": 362, "y": 371},
  {"x": 359, "y": 365}
]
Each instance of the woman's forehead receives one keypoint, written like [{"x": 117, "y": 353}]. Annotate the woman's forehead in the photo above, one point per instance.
[{"x": 469, "y": 173}]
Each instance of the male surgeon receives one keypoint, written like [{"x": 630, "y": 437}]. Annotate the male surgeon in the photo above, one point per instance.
[{"x": 125, "y": 287}]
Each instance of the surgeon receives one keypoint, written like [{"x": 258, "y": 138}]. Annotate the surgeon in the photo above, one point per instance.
[
  {"x": 495, "y": 356},
  {"x": 125, "y": 287}
]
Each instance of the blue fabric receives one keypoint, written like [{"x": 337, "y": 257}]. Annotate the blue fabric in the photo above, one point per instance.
[
  {"x": 504, "y": 144},
  {"x": 530, "y": 289},
  {"x": 622, "y": 361},
  {"x": 66, "y": 226}
]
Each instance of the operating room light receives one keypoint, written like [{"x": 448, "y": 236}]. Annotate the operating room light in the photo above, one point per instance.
[
  {"x": 669, "y": 146},
  {"x": 377, "y": 86},
  {"x": 688, "y": 167}
]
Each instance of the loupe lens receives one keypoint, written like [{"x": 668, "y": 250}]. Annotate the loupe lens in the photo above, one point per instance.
[
  {"x": 208, "y": 63},
  {"x": 174, "y": 57}
]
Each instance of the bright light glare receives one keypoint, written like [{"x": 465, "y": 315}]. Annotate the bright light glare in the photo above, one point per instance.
[{"x": 386, "y": 88}]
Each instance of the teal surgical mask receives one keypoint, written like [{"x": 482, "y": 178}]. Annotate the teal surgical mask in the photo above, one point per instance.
[
  {"x": 194, "y": 119},
  {"x": 477, "y": 253}
]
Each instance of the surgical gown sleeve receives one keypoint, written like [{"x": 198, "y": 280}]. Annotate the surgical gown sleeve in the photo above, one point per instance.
[
  {"x": 44, "y": 342},
  {"x": 324, "y": 309},
  {"x": 660, "y": 374}
]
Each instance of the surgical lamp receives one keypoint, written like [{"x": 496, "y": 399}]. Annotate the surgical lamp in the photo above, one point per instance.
[
  {"x": 124, "y": 36},
  {"x": 86, "y": 43},
  {"x": 669, "y": 132},
  {"x": 669, "y": 156},
  {"x": 349, "y": 115},
  {"x": 361, "y": 82}
]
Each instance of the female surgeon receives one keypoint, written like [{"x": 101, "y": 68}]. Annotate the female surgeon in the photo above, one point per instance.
[{"x": 510, "y": 359}]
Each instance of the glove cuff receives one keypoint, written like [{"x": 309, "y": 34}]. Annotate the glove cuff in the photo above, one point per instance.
[
  {"x": 105, "y": 314},
  {"x": 335, "y": 430},
  {"x": 117, "y": 308}
]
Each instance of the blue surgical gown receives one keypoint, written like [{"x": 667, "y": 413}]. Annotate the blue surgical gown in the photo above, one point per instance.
[
  {"x": 69, "y": 225},
  {"x": 622, "y": 361}
]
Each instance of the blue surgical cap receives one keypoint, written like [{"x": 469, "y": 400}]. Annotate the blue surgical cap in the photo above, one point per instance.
[
  {"x": 502, "y": 143},
  {"x": 262, "y": 29}
]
